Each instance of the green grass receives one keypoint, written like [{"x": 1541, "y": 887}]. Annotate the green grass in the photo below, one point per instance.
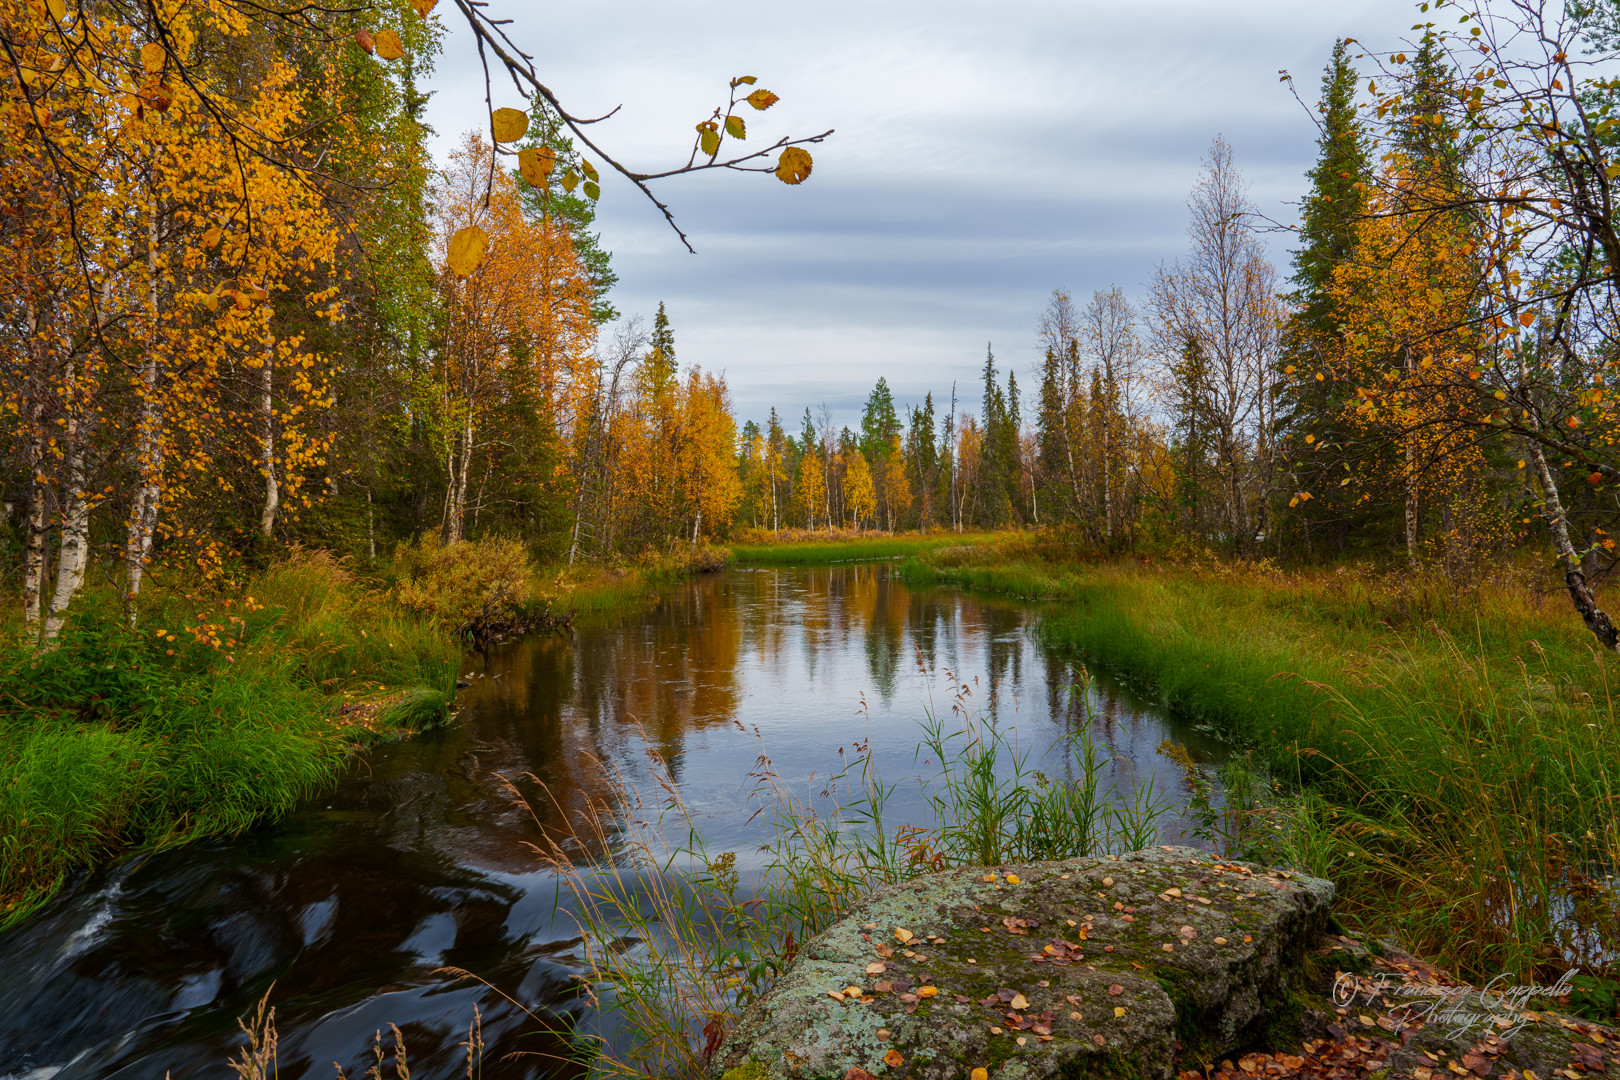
[
  {"x": 1452, "y": 759},
  {"x": 202, "y": 722},
  {"x": 758, "y": 549}
]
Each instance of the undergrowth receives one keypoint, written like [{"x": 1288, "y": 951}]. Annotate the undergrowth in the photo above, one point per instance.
[{"x": 202, "y": 719}]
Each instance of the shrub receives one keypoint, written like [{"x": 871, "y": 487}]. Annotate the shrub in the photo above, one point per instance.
[{"x": 476, "y": 580}]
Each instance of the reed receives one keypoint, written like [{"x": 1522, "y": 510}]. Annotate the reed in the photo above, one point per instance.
[{"x": 677, "y": 944}]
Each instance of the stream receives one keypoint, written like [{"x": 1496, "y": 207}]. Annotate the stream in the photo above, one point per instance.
[{"x": 418, "y": 858}]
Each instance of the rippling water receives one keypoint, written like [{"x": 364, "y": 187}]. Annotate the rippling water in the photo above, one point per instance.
[{"x": 418, "y": 859}]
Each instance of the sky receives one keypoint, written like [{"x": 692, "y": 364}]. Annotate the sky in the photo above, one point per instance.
[{"x": 983, "y": 155}]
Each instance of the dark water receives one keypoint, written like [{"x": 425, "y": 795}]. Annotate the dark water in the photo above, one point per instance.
[{"x": 418, "y": 859}]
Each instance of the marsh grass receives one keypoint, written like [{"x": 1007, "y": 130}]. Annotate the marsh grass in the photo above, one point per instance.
[
  {"x": 800, "y": 548},
  {"x": 201, "y": 721},
  {"x": 676, "y": 944},
  {"x": 1451, "y": 757}
]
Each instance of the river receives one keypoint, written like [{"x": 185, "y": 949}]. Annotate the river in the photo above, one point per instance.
[{"x": 418, "y": 859}]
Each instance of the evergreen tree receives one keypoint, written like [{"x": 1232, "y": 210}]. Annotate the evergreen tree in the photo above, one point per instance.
[
  {"x": 1329, "y": 215},
  {"x": 993, "y": 504},
  {"x": 572, "y": 209}
]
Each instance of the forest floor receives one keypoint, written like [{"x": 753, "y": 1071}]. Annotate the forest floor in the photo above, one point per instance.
[{"x": 1449, "y": 753}]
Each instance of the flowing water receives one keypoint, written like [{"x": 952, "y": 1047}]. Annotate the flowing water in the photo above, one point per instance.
[{"x": 418, "y": 859}]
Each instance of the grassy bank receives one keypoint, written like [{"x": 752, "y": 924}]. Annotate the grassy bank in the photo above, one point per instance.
[
  {"x": 208, "y": 717},
  {"x": 800, "y": 547},
  {"x": 1451, "y": 758}
]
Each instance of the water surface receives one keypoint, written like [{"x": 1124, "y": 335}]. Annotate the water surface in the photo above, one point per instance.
[{"x": 419, "y": 858}]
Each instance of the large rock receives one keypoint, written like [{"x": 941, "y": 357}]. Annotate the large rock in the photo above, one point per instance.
[{"x": 1102, "y": 966}]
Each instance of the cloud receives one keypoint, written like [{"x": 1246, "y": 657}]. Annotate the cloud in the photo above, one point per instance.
[{"x": 984, "y": 155}]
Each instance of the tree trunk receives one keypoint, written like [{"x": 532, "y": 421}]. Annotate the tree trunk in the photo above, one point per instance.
[
  {"x": 371, "y": 528},
  {"x": 144, "y": 504},
  {"x": 74, "y": 556},
  {"x": 1580, "y": 593},
  {"x": 267, "y": 443},
  {"x": 34, "y": 558}
]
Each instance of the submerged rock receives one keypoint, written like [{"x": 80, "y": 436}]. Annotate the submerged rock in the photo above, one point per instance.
[{"x": 1100, "y": 966}]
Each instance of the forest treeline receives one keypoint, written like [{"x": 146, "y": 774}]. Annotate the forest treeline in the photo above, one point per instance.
[{"x": 209, "y": 355}]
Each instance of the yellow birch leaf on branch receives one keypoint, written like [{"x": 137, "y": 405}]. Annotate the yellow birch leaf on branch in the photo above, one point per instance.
[
  {"x": 389, "y": 47},
  {"x": 535, "y": 164},
  {"x": 708, "y": 139},
  {"x": 593, "y": 191},
  {"x": 736, "y": 128},
  {"x": 762, "y": 99},
  {"x": 152, "y": 58},
  {"x": 422, "y": 7},
  {"x": 570, "y": 181},
  {"x": 509, "y": 124},
  {"x": 793, "y": 167},
  {"x": 211, "y": 238},
  {"x": 467, "y": 249},
  {"x": 364, "y": 39},
  {"x": 590, "y": 170},
  {"x": 744, "y": 80}
]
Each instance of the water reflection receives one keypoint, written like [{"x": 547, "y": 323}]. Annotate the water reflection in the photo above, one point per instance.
[{"x": 420, "y": 858}]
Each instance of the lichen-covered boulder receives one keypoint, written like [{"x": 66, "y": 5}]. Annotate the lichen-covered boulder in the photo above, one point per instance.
[{"x": 1100, "y": 966}]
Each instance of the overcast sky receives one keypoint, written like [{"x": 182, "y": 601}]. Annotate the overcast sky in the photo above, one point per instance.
[{"x": 984, "y": 155}]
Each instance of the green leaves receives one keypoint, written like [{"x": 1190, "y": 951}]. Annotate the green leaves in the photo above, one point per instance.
[
  {"x": 593, "y": 191},
  {"x": 736, "y": 128},
  {"x": 793, "y": 167},
  {"x": 509, "y": 124},
  {"x": 570, "y": 181},
  {"x": 762, "y": 99}
]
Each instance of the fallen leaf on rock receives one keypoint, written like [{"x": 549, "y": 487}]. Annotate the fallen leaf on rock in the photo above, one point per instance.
[
  {"x": 1074, "y": 1016},
  {"x": 877, "y": 967},
  {"x": 1116, "y": 989},
  {"x": 1013, "y": 879},
  {"x": 883, "y": 950},
  {"x": 1019, "y": 1001},
  {"x": 927, "y": 991},
  {"x": 836, "y": 995},
  {"x": 857, "y": 1073},
  {"x": 1023, "y": 1040},
  {"x": 1220, "y": 941},
  {"x": 1099, "y": 1040},
  {"x": 979, "y": 1074},
  {"x": 884, "y": 1033},
  {"x": 1119, "y": 1011},
  {"x": 1108, "y": 881},
  {"x": 883, "y": 986},
  {"x": 852, "y": 991},
  {"x": 893, "y": 1059},
  {"x": 995, "y": 1030},
  {"x": 903, "y": 935}
]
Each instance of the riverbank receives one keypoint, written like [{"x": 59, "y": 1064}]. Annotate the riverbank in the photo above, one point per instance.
[
  {"x": 1451, "y": 758},
  {"x": 219, "y": 711}
]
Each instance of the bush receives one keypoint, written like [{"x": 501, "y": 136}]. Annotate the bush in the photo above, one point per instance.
[{"x": 484, "y": 580}]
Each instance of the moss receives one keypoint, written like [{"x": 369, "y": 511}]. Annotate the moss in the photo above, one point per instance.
[{"x": 748, "y": 1070}]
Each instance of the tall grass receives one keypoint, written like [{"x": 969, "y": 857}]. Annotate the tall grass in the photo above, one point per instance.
[
  {"x": 1451, "y": 758},
  {"x": 201, "y": 722},
  {"x": 676, "y": 944},
  {"x": 800, "y": 548}
]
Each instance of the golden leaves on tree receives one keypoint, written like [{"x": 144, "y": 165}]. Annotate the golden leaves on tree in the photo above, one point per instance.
[
  {"x": 535, "y": 164},
  {"x": 508, "y": 125},
  {"x": 389, "y": 47},
  {"x": 793, "y": 167},
  {"x": 467, "y": 249}
]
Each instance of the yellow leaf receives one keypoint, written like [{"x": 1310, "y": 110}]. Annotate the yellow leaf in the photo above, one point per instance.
[
  {"x": 467, "y": 249},
  {"x": 535, "y": 164},
  {"x": 979, "y": 1074},
  {"x": 152, "y": 58},
  {"x": 1500, "y": 395},
  {"x": 1119, "y": 1010},
  {"x": 930, "y": 991},
  {"x": 1013, "y": 879},
  {"x": 211, "y": 238},
  {"x": 593, "y": 190},
  {"x": 364, "y": 40},
  {"x": 1309, "y": 439},
  {"x": 1019, "y": 1001},
  {"x": 793, "y": 167},
  {"x": 570, "y": 181},
  {"x": 58, "y": 10},
  {"x": 902, "y": 935},
  {"x": 422, "y": 7},
  {"x": 589, "y": 170},
  {"x": 509, "y": 124},
  {"x": 762, "y": 99},
  {"x": 736, "y": 128},
  {"x": 1294, "y": 501},
  {"x": 744, "y": 80},
  {"x": 389, "y": 47},
  {"x": 709, "y": 140},
  {"x": 893, "y": 1059},
  {"x": 1526, "y": 318}
]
